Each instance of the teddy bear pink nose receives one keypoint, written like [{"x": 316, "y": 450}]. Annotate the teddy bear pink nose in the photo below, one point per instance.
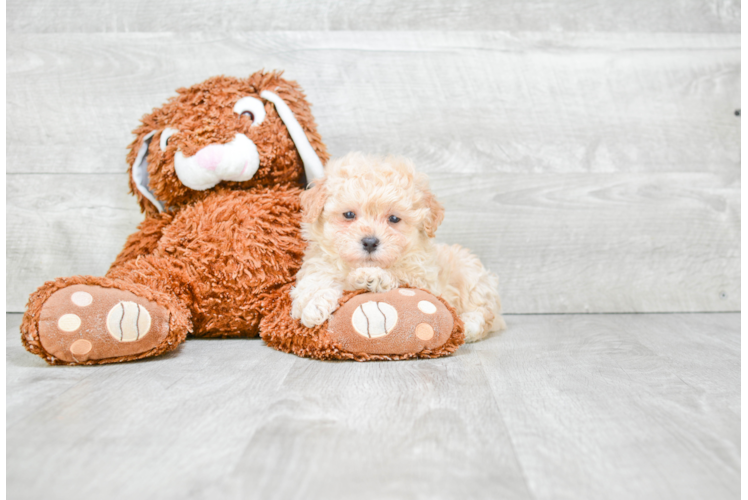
[{"x": 210, "y": 156}]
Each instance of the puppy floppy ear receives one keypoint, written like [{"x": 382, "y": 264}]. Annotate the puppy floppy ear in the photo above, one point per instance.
[
  {"x": 435, "y": 215},
  {"x": 313, "y": 201}
]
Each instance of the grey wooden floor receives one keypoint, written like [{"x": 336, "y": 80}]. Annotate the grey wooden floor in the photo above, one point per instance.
[
  {"x": 588, "y": 151},
  {"x": 558, "y": 406}
]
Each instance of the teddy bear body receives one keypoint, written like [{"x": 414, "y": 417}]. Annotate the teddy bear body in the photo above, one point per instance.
[
  {"x": 218, "y": 171},
  {"x": 220, "y": 256}
]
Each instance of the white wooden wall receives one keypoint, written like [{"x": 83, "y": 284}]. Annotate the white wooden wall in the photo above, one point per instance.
[{"x": 587, "y": 150}]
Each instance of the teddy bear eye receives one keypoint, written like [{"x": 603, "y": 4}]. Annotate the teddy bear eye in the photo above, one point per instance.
[
  {"x": 394, "y": 219},
  {"x": 251, "y": 107},
  {"x": 349, "y": 215}
]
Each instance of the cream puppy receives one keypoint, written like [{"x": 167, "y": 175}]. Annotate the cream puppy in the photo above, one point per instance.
[{"x": 370, "y": 225}]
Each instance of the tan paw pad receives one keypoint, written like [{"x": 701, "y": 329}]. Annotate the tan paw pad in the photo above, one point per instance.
[
  {"x": 81, "y": 347},
  {"x": 426, "y": 307},
  {"x": 424, "y": 331},
  {"x": 81, "y": 299},
  {"x": 69, "y": 322},
  {"x": 374, "y": 319},
  {"x": 128, "y": 321}
]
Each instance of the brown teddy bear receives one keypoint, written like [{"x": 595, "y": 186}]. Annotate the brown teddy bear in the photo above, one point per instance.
[{"x": 218, "y": 171}]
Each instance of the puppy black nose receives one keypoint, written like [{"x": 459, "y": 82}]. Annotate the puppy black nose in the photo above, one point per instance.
[{"x": 370, "y": 243}]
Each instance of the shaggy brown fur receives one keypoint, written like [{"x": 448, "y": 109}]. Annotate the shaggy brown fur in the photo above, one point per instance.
[
  {"x": 204, "y": 115},
  {"x": 221, "y": 260},
  {"x": 221, "y": 254}
]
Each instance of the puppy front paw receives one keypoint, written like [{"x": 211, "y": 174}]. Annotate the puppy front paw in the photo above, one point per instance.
[
  {"x": 373, "y": 279},
  {"x": 475, "y": 326},
  {"x": 319, "y": 309}
]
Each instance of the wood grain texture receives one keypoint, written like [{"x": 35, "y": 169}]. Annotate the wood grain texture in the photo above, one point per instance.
[
  {"x": 556, "y": 407},
  {"x": 63, "y": 225},
  {"x": 454, "y": 102},
  {"x": 605, "y": 406},
  {"x": 48, "y": 16},
  {"x": 45, "y": 16},
  {"x": 593, "y": 172},
  {"x": 601, "y": 242},
  {"x": 741, "y": 194},
  {"x": 559, "y": 242},
  {"x": 741, "y": 103},
  {"x": 742, "y": 16},
  {"x": 741, "y": 408},
  {"x": 740, "y": 202}
]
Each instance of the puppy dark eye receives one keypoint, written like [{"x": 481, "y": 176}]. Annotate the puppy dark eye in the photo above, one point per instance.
[
  {"x": 349, "y": 215},
  {"x": 249, "y": 114},
  {"x": 394, "y": 219}
]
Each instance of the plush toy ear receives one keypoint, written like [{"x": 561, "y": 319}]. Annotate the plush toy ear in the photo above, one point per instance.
[
  {"x": 312, "y": 163},
  {"x": 435, "y": 215},
  {"x": 140, "y": 172},
  {"x": 313, "y": 201}
]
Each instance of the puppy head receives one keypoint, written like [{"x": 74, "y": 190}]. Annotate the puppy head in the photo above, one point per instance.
[{"x": 370, "y": 211}]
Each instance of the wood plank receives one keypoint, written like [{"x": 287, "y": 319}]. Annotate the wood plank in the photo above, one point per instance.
[
  {"x": 235, "y": 419},
  {"x": 63, "y": 225},
  {"x": 618, "y": 176},
  {"x": 741, "y": 103},
  {"x": 454, "y": 102},
  {"x": 37, "y": 16},
  {"x": 742, "y": 16},
  {"x": 557, "y": 407},
  {"x": 378, "y": 430},
  {"x": 739, "y": 200},
  {"x": 153, "y": 429},
  {"x": 560, "y": 243},
  {"x": 601, "y": 242},
  {"x": 741, "y": 409},
  {"x": 596, "y": 413}
]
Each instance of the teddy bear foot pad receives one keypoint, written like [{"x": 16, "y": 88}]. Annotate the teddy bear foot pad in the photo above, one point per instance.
[
  {"x": 401, "y": 321},
  {"x": 88, "y": 322}
]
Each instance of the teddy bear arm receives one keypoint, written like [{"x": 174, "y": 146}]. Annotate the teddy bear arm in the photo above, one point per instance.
[{"x": 145, "y": 240}]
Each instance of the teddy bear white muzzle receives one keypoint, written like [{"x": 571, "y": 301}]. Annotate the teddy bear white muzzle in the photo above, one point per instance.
[{"x": 236, "y": 161}]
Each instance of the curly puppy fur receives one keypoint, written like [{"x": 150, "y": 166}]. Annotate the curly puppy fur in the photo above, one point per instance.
[{"x": 388, "y": 203}]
